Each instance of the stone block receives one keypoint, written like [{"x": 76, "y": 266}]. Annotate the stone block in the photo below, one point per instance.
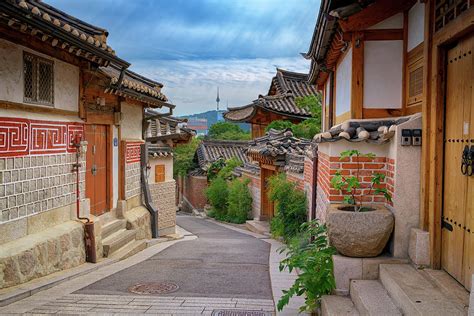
[
  {"x": 419, "y": 247},
  {"x": 345, "y": 270},
  {"x": 121, "y": 208},
  {"x": 45, "y": 220},
  {"x": 13, "y": 230},
  {"x": 370, "y": 266}
]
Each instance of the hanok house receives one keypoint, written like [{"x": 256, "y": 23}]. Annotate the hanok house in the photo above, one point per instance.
[
  {"x": 163, "y": 134},
  {"x": 66, "y": 123},
  {"x": 396, "y": 78},
  {"x": 278, "y": 104},
  {"x": 209, "y": 151},
  {"x": 277, "y": 151}
]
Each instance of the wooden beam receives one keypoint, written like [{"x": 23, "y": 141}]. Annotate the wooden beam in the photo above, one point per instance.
[
  {"x": 100, "y": 118},
  {"x": 373, "y": 14},
  {"x": 357, "y": 78},
  {"x": 7, "y": 105},
  {"x": 404, "y": 62},
  {"x": 110, "y": 169},
  {"x": 384, "y": 35},
  {"x": 379, "y": 113}
]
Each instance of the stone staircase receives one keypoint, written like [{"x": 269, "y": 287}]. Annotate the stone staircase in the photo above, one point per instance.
[
  {"x": 118, "y": 241},
  {"x": 401, "y": 290}
]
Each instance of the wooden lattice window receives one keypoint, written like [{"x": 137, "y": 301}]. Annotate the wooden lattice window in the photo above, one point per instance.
[
  {"x": 448, "y": 10},
  {"x": 414, "y": 73},
  {"x": 38, "y": 80},
  {"x": 159, "y": 173}
]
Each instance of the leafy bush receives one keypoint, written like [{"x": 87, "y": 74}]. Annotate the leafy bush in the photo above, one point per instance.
[
  {"x": 240, "y": 201},
  {"x": 310, "y": 253},
  {"x": 217, "y": 194},
  {"x": 183, "y": 157},
  {"x": 290, "y": 206},
  {"x": 223, "y": 168},
  {"x": 227, "y": 131}
]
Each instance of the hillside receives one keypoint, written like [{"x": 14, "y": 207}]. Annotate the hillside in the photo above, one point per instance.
[{"x": 211, "y": 117}]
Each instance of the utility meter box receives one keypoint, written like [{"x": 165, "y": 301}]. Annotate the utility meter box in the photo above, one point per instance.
[
  {"x": 416, "y": 137},
  {"x": 406, "y": 137}
]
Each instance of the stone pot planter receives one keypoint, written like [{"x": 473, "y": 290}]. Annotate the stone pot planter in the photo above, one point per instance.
[{"x": 359, "y": 234}]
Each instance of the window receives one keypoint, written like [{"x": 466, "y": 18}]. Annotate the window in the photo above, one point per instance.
[
  {"x": 448, "y": 10},
  {"x": 159, "y": 173},
  {"x": 38, "y": 80},
  {"x": 414, "y": 76}
]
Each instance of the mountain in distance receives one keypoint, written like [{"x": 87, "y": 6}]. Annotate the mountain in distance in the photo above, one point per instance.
[{"x": 213, "y": 117}]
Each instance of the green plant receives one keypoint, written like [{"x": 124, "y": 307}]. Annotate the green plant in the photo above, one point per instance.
[
  {"x": 183, "y": 157},
  {"x": 310, "y": 253},
  {"x": 217, "y": 194},
  {"x": 224, "y": 169},
  {"x": 240, "y": 201},
  {"x": 290, "y": 205},
  {"x": 350, "y": 185}
]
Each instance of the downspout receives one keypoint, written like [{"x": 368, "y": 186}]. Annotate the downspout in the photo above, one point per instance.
[
  {"x": 146, "y": 190},
  {"x": 315, "y": 184}
]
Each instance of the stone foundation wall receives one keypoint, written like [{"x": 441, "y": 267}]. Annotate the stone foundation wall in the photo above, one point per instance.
[
  {"x": 308, "y": 182},
  {"x": 132, "y": 168},
  {"x": 37, "y": 255},
  {"x": 164, "y": 200},
  {"x": 139, "y": 219},
  {"x": 322, "y": 203}
]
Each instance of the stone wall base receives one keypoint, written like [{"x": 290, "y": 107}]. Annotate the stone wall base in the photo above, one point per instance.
[
  {"x": 139, "y": 219},
  {"x": 57, "y": 248},
  {"x": 419, "y": 247}
]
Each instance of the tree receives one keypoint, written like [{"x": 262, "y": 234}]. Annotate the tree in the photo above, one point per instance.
[
  {"x": 227, "y": 131},
  {"x": 183, "y": 155}
]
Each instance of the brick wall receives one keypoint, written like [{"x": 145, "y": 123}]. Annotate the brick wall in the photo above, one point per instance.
[
  {"x": 194, "y": 191},
  {"x": 132, "y": 168},
  {"x": 163, "y": 195},
  {"x": 36, "y": 159},
  {"x": 255, "y": 191},
  {"x": 308, "y": 181},
  {"x": 296, "y": 178}
]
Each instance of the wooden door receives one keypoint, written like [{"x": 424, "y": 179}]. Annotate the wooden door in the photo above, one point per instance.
[
  {"x": 267, "y": 207},
  {"x": 457, "y": 256},
  {"x": 96, "y": 170}
]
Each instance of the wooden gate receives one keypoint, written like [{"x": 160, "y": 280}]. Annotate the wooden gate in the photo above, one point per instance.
[
  {"x": 457, "y": 256},
  {"x": 267, "y": 207},
  {"x": 96, "y": 172}
]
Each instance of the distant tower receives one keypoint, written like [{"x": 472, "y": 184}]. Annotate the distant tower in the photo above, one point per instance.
[{"x": 218, "y": 99}]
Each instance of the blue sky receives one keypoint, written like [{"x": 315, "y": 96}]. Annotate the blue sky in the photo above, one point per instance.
[{"x": 193, "y": 46}]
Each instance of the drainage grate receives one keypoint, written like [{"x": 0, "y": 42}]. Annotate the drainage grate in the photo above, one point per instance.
[
  {"x": 154, "y": 288},
  {"x": 233, "y": 312}
]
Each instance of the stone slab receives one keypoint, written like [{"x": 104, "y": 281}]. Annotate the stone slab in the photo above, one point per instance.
[{"x": 371, "y": 299}]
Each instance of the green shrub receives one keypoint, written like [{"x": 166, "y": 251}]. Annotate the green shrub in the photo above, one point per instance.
[
  {"x": 240, "y": 201},
  {"x": 290, "y": 204},
  {"x": 310, "y": 253},
  {"x": 183, "y": 157},
  {"x": 217, "y": 194}
]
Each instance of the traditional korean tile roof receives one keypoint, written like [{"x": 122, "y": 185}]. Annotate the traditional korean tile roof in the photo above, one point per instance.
[
  {"x": 366, "y": 130},
  {"x": 163, "y": 128},
  {"x": 210, "y": 151},
  {"x": 279, "y": 148},
  {"x": 159, "y": 151},
  {"x": 287, "y": 81},
  {"x": 59, "y": 29}
]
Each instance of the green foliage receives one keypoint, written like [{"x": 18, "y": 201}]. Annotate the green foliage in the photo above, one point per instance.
[
  {"x": 223, "y": 168},
  {"x": 350, "y": 185},
  {"x": 183, "y": 157},
  {"x": 290, "y": 204},
  {"x": 217, "y": 194},
  {"x": 310, "y": 253},
  {"x": 240, "y": 201},
  {"x": 227, "y": 131},
  {"x": 307, "y": 128}
]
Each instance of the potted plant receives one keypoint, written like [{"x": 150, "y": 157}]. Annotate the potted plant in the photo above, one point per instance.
[{"x": 357, "y": 229}]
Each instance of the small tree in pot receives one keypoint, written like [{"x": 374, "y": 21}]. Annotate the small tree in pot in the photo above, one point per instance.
[{"x": 357, "y": 229}]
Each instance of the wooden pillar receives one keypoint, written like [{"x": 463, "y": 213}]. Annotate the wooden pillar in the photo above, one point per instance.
[{"x": 357, "y": 80}]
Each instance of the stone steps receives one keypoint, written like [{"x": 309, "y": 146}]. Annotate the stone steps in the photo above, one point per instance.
[
  {"x": 117, "y": 240},
  {"x": 129, "y": 249},
  {"x": 414, "y": 294},
  {"x": 370, "y": 298},
  {"x": 334, "y": 305},
  {"x": 113, "y": 227}
]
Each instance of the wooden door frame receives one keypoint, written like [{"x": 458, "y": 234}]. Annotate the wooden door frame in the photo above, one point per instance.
[
  {"x": 264, "y": 168},
  {"x": 109, "y": 162},
  {"x": 433, "y": 123}
]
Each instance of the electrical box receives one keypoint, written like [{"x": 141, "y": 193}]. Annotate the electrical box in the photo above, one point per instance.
[
  {"x": 416, "y": 137},
  {"x": 406, "y": 137}
]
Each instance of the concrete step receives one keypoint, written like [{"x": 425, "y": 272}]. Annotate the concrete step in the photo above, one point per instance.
[
  {"x": 129, "y": 249},
  {"x": 117, "y": 240},
  {"x": 334, "y": 305},
  {"x": 259, "y": 227},
  {"x": 113, "y": 227},
  {"x": 414, "y": 294},
  {"x": 371, "y": 299}
]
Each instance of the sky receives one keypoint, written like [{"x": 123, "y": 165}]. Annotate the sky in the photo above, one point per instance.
[{"x": 195, "y": 46}]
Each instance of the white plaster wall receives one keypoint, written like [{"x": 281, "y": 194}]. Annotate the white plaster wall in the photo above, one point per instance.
[
  {"x": 66, "y": 77},
  {"x": 115, "y": 168},
  {"x": 416, "y": 25},
  {"x": 383, "y": 65},
  {"x": 393, "y": 22},
  {"x": 334, "y": 149},
  {"x": 343, "y": 84},
  {"x": 131, "y": 124},
  {"x": 167, "y": 161}
]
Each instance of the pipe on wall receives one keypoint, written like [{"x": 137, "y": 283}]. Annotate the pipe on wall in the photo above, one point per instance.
[{"x": 146, "y": 190}]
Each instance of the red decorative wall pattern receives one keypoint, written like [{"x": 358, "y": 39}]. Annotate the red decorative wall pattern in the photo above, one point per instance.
[
  {"x": 132, "y": 152},
  {"x": 21, "y": 137}
]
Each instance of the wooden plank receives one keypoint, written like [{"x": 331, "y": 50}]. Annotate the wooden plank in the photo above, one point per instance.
[
  {"x": 405, "y": 59},
  {"x": 100, "y": 118},
  {"x": 357, "y": 78},
  {"x": 380, "y": 113},
  {"x": 110, "y": 164},
  {"x": 384, "y": 35},
  {"x": 7, "y": 105}
]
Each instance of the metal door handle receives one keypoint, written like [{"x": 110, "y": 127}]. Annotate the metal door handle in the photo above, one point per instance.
[
  {"x": 470, "y": 157},
  {"x": 94, "y": 170},
  {"x": 465, "y": 160}
]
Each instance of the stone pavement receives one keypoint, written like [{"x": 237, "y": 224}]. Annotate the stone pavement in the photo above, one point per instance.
[{"x": 84, "y": 295}]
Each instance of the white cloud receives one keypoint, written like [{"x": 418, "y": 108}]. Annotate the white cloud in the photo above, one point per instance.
[{"x": 192, "y": 84}]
